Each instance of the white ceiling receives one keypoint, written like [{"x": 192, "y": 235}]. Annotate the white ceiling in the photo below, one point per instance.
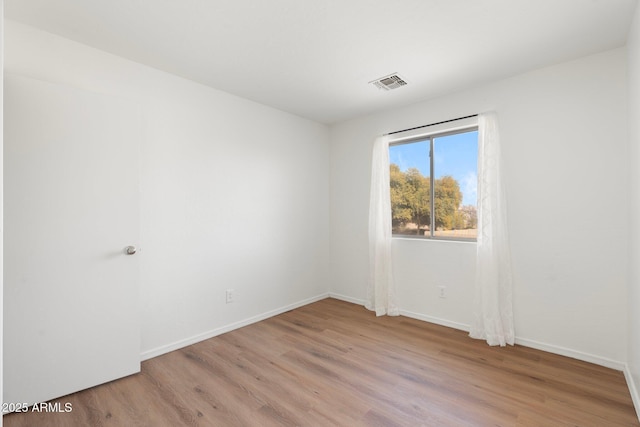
[{"x": 314, "y": 58}]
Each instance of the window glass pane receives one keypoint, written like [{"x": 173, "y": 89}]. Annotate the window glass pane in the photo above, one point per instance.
[
  {"x": 455, "y": 171},
  {"x": 410, "y": 188}
]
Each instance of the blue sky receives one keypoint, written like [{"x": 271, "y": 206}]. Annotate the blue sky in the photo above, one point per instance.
[{"x": 456, "y": 155}]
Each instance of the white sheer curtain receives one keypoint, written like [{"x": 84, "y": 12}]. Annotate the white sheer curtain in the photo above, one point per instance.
[
  {"x": 493, "y": 313},
  {"x": 381, "y": 288}
]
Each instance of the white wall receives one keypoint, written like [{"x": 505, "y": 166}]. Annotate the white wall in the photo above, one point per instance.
[
  {"x": 233, "y": 194},
  {"x": 565, "y": 147},
  {"x": 1, "y": 199},
  {"x": 633, "y": 49}
]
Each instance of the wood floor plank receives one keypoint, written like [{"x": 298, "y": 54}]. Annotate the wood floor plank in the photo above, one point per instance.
[{"x": 333, "y": 363}]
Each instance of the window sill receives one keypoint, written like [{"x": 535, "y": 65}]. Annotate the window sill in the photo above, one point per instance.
[{"x": 434, "y": 239}]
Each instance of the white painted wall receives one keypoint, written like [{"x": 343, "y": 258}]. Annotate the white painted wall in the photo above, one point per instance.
[
  {"x": 1, "y": 199},
  {"x": 633, "y": 49},
  {"x": 565, "y": 148},
  {"x": 234, "y": 194}
]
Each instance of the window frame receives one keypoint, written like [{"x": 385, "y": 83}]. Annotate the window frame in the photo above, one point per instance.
[{"x": 465, "y": 125}]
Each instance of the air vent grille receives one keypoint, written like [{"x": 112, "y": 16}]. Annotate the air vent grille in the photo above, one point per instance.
[{"x": 392, "y": 81}]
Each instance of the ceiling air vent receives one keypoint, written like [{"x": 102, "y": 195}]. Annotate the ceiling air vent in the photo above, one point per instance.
[{"x": 392, "y": 81}]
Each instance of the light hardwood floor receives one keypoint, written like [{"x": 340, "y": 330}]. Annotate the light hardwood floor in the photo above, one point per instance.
[{"x": 332, "y": 363}]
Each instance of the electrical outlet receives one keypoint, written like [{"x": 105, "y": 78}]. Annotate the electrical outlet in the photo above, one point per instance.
[
  {"x": 442, "y": 291},
  {"x": 230, "y": 296}
]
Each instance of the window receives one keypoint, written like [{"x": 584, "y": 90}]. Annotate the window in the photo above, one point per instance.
[{"x": 434, "y": 185}]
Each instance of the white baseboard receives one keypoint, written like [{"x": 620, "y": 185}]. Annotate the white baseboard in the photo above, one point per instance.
[
  {"x": 436, "y": 320},
  {"x": 633, "y": 389},
  {"x": 149, "y": 354},
  {"x": 579, "y": 355},
  {"x": 347, "y": 299}
]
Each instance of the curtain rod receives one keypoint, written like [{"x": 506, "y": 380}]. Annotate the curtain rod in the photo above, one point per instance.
[{"x": 432, "y": 124}]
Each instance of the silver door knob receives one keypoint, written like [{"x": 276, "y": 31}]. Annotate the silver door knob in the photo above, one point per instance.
[{"x": 130, "y": 250}]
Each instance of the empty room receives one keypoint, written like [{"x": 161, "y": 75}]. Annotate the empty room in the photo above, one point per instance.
[{"x": 320, "y": 213}]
